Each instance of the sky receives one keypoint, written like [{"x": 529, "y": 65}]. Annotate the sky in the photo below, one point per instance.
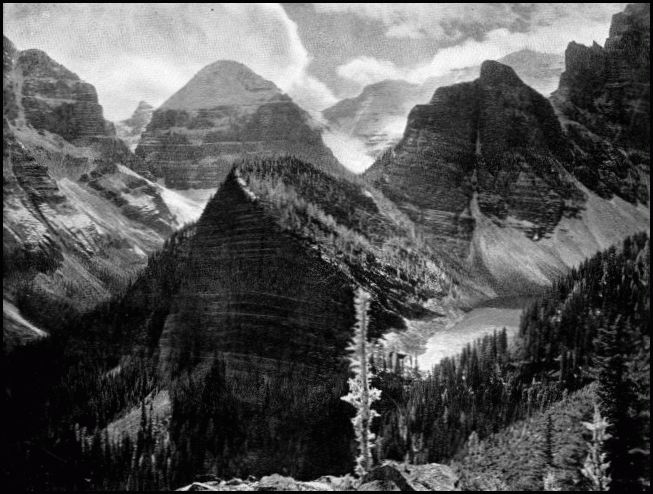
[{"x": 316, "y": 53}]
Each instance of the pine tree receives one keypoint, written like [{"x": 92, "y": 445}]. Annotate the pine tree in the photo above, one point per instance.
[
  {"x": 615, "y": 400},
  {"x": 361, "y": 394},
  {"x": 551, "y": 481},
  {"x": 596, "y": 465}
]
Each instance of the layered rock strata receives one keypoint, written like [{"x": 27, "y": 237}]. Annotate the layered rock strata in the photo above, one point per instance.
[
  {"x": 226, "y": 112},
  {"x": 604, "y": 103}
]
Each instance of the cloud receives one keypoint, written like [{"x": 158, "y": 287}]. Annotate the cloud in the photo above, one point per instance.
[
  {"x": 131, "y": 52},
  {"x": 438, "y": 21},
  {"x": 350, "y": 151},
  {"x": 552, "y": 32},
  {"x": 367, "y": 70},
  {"x": 453, "y": 22}
]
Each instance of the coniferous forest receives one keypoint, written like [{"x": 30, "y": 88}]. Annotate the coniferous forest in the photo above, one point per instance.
[
  {"x": 574, "y": 339},
  {"x": 341, "y": 248}
]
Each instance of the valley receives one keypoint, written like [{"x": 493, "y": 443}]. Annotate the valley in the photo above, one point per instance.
[{"x": 255, "y": 282}]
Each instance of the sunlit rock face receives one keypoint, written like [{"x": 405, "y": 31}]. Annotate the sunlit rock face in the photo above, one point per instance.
[
  {"x": 224, "y": 113},
  {"x": 604, "y": 103},
  {"x": 483, "y": 169},
  {"x": 78, "y": 223}
]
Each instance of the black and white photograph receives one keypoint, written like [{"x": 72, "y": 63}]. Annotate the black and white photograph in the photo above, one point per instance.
[{"x": 326, "y": 247}]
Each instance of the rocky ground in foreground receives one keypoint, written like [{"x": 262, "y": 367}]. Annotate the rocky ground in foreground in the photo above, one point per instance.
[{"x": 391, "y": 476}]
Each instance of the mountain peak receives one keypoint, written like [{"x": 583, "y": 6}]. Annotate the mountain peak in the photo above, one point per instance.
[
  {"x": 224, "y": 82},
  {"x": 37, "y": 63},
  {"x": 143, "y": 105},
  {"x": 493, "y": 72},
  {"x": 636, "y": 16}
]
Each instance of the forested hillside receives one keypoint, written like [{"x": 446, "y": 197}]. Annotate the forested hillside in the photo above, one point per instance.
[
  {"x": 592, "y": 326},
  {"x": 590, "y": 329}
]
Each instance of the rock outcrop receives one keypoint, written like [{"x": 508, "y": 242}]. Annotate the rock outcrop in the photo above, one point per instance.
[
  {"x": 490, "y": 155},
  {"x": 226, "y": 112},
  {"x": 391, "y": 475},
  {"x": 52, "y": 98},
  {"x": 131, "y": 129},
  {"x": 604, "y": 103}
]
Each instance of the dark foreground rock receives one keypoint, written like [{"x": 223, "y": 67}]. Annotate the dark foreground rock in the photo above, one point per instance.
[{"x": 391, "y": 476}]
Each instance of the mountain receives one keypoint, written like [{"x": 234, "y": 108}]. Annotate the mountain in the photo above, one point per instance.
[
  {"x": 77, "y": 221},
  {"x": 45, "y": 95},
  {"x": 483, "y": 169},
  {"x": 259, "y": 256},
  {"x": 377, "y": 116},
  {"x": 130, "y": 130},
  {"x": 225, "y": 350},
  {"x": 253, "y": 304},
  {"x": 224, "y": 112},
  {"x": 603, "y": 101}
]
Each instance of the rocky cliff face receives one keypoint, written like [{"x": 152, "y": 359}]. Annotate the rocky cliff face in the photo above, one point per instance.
[
  {"x": 604, "y": 103},
  {"x": 131, "y": 129},
  {"x": 377, "y": 116},
  {"x": 77, "y": 222},
  {"x": 494, "y": 137},
  {"x": 224, "y": 113},
  {"x": 50, "y": 97},
  {"x": 488, "y": 155}
]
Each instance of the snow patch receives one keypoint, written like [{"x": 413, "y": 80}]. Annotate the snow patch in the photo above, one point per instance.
[{"x": 183, "y": 209}]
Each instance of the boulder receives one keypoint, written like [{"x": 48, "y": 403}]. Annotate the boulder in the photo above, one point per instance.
[
  {"x": 404, "y": 477},
  {"x": 385, "y": 475},
  {"x": 276, "y": 482},
  {"x": 379, "y": 486}
]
